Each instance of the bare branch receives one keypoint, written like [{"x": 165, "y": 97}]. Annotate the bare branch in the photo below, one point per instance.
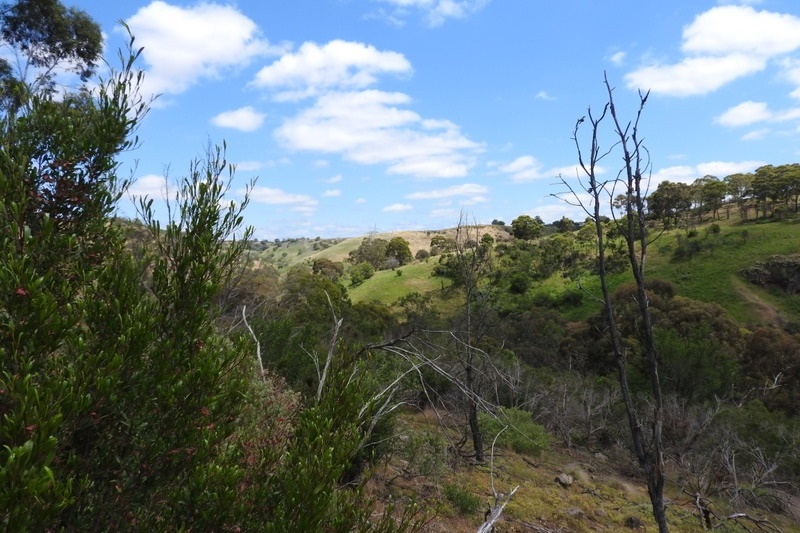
[{"x": 258, "y": 344}]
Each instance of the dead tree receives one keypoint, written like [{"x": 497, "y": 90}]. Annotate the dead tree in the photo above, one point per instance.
[
  {"x": 632, "y": 180},
  {"x": 469, "y": 264}
]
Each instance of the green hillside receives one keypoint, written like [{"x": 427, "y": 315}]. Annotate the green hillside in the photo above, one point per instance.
[{"x": 711, "y": 274}]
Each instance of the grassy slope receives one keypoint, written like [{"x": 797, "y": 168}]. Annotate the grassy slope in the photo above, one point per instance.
[
  {"x": 387, "y": 286},
  {"x": 602, "y": 498},
  {"x": 710, "y": 276},
  {"x": 713, "y": 274}
]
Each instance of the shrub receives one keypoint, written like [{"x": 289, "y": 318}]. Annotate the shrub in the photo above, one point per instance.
[
  {"x": 360, "y": 273},
  {"x": 465, "y": 502},
  {"x": 519, "y": 431}
]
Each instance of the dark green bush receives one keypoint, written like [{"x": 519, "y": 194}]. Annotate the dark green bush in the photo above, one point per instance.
[{"x": 464, "y": 501}]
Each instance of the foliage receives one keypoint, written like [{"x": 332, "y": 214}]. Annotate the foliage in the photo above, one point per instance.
[
  {"x": 372, "y": 250},
  {"x": 58, "y": 186},
  {"x": 526, "y": 228},
  {"x": 669, "y": 203},
  {"x": 464, "y": 501},
  {"x": 441, "y": 244},
  {"x": 515, "y": 429},
  {"x": 325, "y": 267},
  {"x": 398, "y": 249},
  {"x": 48, "y": 35},
  {"x": 425, "y": 454},
  {"x": 360, "y": 273}
]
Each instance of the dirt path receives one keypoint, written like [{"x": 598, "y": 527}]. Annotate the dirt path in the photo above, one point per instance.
[{"x": 767, "y": 313}]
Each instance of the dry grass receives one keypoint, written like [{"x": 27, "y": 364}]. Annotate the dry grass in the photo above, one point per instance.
[{"x": 601, "y": 498}]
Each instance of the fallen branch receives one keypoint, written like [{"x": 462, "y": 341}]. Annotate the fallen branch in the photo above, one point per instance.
[{"x": 500, "y": 503}]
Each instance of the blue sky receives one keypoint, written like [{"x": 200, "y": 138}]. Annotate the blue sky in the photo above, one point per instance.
[{"x": 384, "y": 115}]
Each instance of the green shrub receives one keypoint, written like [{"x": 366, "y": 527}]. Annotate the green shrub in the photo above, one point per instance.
[
  {"x": 516, "y": 430},
  {"x": 464, "y": 502},
  {"x": 425, "y": 454}
]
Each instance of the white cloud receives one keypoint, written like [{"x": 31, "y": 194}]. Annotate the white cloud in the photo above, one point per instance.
[
  {"x": 721, "y": 45},
  {"x": 750, "y": 112},
  {"x": 740, "y": 29},
  {"x": 249, "y": 166},
  {"x": 242, "y": 119},
  {"x": 183, "y": 45},
  {"x": 298, "y": 202},
  {"x": 694, "y": 76},
  {"x": 331, "y": 193},
  {"x": 151, "y": 185},
  {"x": 617, "y": 58},
  {"x": 468, "y": 189},
  {"x": 524, "y": 168},
  {"x": 756, "y": 134},
  {"x": 361, "y": 201},
  {"x": 370, "y": 127},
  {"x": 745, "y": 113},
  {"x": 544, "y": 95},
  {"x": 339, "y": 64},
  {"x": 687, "y": 173},
  {"x": 334, "y": 179},
  {"x": 435, "y": 12},
  {"x": 397, "y": 208}
]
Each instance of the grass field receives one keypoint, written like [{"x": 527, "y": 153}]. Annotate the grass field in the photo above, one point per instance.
[
  {"x": 710, "y": 275},
  {"x": 387, "y": 286}
]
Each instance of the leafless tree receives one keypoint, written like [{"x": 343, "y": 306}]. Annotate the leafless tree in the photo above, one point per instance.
[
  {"x": 471, "y": 262},
  {"x": 630, "y": 181}
]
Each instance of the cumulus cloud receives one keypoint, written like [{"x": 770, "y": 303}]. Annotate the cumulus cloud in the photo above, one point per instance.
[
  {"x": 183, "y": 45},
  {"x": 397, "y": 208},
  {"x": 339, "y": 64},
  {"x": 435, "y": 12},
  {"x": 297, "y": 202},
  {"x": 331, "y": 193},
  {"x": 745, "y": 113},
  {"x": 750, "y": 112},
  {"x": 695, "y": 75},
  {"x": 371, "y": 127},
  {"x": 689, "y": 173},
  {"x": 151, "y": 185},
  {"x": 544, "y": 95},
  {"x": 740, "y": 29},
  {"x": 524, "y": 168},
  {"x": 721, "y": 45},
  {"x": 472, "y": 190},
  {"x": 243, "y": 119}
]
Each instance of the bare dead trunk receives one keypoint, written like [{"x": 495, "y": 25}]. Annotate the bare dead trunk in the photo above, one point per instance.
[{"x": 649, "y": 452}]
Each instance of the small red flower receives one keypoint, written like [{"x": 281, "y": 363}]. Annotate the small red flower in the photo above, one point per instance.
[{"x": 22, "y": 292}]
